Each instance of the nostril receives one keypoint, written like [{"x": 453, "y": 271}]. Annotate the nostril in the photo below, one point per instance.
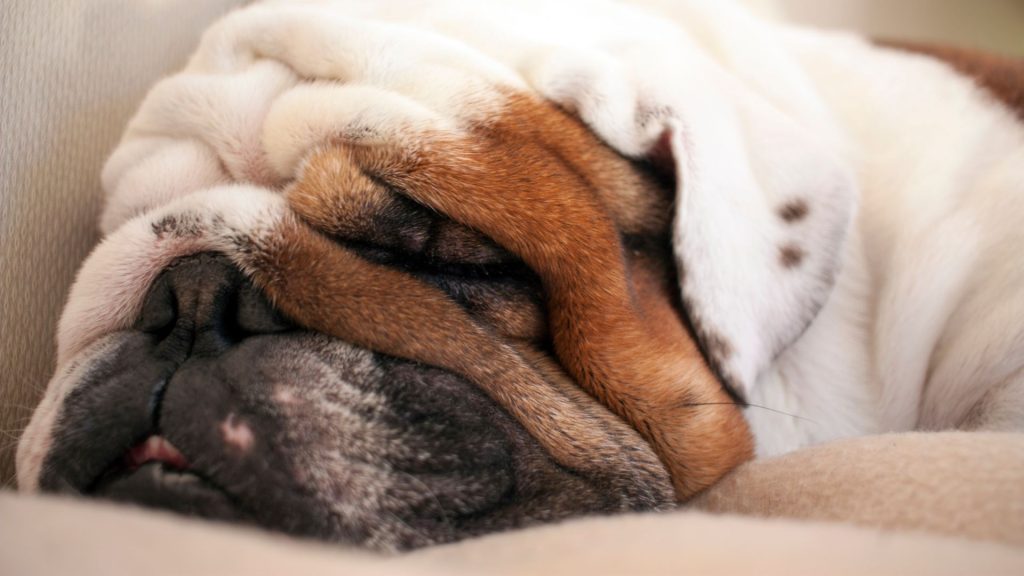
[
  {"x": 202, "y": 305},
  {"x": 159, "y": 309}
]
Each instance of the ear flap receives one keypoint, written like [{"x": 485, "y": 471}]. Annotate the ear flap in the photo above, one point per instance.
[
  {"x": 763, "y": 210},
  {"x": 763, "y": 203}
]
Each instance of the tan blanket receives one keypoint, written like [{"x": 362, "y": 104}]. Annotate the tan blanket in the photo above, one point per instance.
[
  {"x": 966, "y": 484},
  {"x": 958, "y": 483}
]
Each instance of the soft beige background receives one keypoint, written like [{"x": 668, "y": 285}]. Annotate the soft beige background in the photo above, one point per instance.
[
  {"x": 72, "y": 72},
  {"x": 990, "y": 24}
]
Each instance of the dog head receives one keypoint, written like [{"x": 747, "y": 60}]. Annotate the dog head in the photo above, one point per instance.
[{"x": 446, "y": 294}]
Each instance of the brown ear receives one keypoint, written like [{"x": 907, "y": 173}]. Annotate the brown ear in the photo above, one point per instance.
[{"x": 533, "y": 180}]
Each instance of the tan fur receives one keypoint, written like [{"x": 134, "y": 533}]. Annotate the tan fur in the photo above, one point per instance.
[
  {"x": 538, "y": 183},
  {"x": 332, "y": 290}
]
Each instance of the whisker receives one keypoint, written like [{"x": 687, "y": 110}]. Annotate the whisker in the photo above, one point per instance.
[
  {"x": 430, "y": 493},
  {"x": 750, "y": 405},
  {"x": 9, "y": 444},
  {"x": 22, "y": 407},
  {"x": 419, "y": 532}
]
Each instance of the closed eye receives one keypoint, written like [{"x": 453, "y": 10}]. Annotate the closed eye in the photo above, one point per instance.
[
  {"x": 420, "y": 264},
  {"x": 503, "y": 294},
  {"x": 383, "y": 226}
]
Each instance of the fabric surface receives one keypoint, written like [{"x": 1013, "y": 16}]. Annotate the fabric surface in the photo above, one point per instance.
[
  {"x": 51, "y": 536},
  {"x": 958, "y": 483},
  {"x": 72, "y": 73}
]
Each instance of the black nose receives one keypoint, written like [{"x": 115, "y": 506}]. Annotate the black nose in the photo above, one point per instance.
[{"x": 203, "y": 305}]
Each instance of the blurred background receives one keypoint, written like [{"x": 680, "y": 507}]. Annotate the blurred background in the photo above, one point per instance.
[{"x": 996, "y": 25}]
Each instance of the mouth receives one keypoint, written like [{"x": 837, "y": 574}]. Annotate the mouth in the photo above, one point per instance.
[
  {"x": 155, "y": 449},
  {"x": 154, "y": 473}
]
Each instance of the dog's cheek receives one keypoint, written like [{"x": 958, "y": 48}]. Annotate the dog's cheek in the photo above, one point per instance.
[
  {"x": 43, "y": 436},
  {"x": 397, "y": 452}
]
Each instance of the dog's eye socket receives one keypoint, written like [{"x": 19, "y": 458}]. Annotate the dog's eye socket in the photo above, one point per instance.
[
  {"x": 502, "y": 293},
  {"x": 432, "y": 264},
  {"x": 489, "y": 282},
  {"x": 401, "y": 233}
]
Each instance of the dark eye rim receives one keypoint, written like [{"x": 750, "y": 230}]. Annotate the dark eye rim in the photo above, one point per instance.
[{"x": 419, "y": 264}]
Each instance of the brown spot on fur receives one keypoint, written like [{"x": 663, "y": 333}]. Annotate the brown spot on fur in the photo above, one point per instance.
[
  {"x": 538, "y": 183},
  {"x": 794, "y": 211},
  {"x": 1000, "y": 76},
  {"x": 791, "y": 256}
]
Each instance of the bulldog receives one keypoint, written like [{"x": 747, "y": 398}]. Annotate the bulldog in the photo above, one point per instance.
[{"x": 400, "y": 273}]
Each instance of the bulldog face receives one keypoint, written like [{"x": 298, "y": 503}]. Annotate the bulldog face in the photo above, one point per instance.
[
  {"x": 421, "y": 299},
  {"x": 380, "y": 374},
  {"x": 214, "y": 405}
]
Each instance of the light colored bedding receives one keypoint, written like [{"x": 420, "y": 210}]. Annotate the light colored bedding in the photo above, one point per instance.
[
  {"x": 957, "y": 483},
  {"x": 916, "y": 485},
  {"x": 49, "y": 536}
]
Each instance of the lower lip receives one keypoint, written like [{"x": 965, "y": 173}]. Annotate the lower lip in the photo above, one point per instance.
[{"x": 154, "y": 485}]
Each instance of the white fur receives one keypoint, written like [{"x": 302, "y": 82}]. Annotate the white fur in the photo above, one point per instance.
[
  {"x": 904, "y": 313},
  {"x": 941, "y": 168}
]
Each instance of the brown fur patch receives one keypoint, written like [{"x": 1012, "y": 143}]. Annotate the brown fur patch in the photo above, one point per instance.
[
  {"x": 791, "y": 256},
  {"x": 1000, "y": 76},
  {"x": 794, "y": 211},
  {"x": 539, "y": 184},
  {"x": 330, "y": 289}
]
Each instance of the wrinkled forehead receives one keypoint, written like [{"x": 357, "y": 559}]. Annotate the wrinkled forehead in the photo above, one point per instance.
[
  {"x": 203, "y": 164},
  {"x": 269, "y": 83}
]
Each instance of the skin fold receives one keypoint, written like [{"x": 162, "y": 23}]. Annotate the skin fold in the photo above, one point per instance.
[{"x": 549, "y": 212}]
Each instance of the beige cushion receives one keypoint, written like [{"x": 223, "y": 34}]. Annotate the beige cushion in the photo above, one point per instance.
[
  {"x": 957, "y": 483},
  {"x": 49, "y": 536},
  {"x": 921, "y": 485}
]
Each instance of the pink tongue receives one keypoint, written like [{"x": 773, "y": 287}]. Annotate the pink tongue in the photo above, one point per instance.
[{"x": 156, "y": 449}]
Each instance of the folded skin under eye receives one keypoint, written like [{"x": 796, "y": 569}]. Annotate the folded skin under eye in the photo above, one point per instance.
[
  {"x": 551, "y": 204},
  {"x": 504, "y": 295},
  {"x": 385, "y": 227}
]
